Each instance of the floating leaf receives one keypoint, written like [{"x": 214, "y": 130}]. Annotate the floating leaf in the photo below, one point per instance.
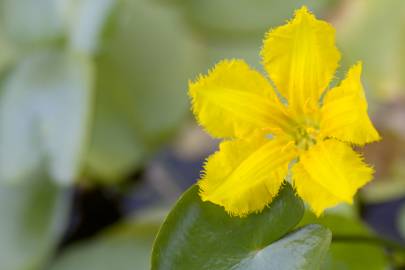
[
  {"x": 216, "y": 18},
  {"x": 32, "y": 22},
  {"x": 7, "y": 51},
  {"x": 201, "y": 235},
  {"x": 358, "y": 28},
  {"x": 44, "y": 111},
  {"x": 32, "y": 218},
  {"x": 125, "y": 246},
  {"x": 86, "y": 22},
  {"x": 142, "y": 73},
  {"x": 346, "y": 254}
]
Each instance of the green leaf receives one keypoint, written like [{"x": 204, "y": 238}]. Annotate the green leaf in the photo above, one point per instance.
[
  {"x": 142, "y": 73},
  {"x": 356, "y": 256},
  {"x": 382, "y": 56},
  {"x": 125, "y": 246},
  {"x": 86, "y": 22},
  {"x": 32, "y": 22},
  {"x": 7, "y": 51},
  {"x": 216, "y": 18},
  {"x": 350, "y": 255},
  {"x": 248, "y": 51},
  {"x": 44, "y": 110},
  {"x": 201, "y": 235},
  {"x": 302, "y": 249},
  {"x": 31, "y": 223}
]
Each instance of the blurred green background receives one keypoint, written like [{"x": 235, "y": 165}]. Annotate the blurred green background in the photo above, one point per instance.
[{"x": 96, "y": 136}]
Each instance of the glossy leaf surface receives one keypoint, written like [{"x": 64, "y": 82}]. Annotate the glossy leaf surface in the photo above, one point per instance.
[{"x": 201, "y": 235}]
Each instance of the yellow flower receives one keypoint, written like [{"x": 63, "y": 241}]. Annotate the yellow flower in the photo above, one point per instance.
[{"x": 265, "y": 140}]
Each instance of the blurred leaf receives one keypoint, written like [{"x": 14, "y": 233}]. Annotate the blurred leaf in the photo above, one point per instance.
[
  {"x": 142, "y": 75},
  {"x": 235, "y": 29},
  {"x": 248, "y": 51},
  {"x": 44, "y": 109},
  {"x": 217, "y": 18},
  {"x": 32, "y": 22},
  {"x": 125, "y": 246},
  {"x": 348, "y": 255},
  {"x": 32, "y": 218},
  {"x": 373, "y": 31},
  {"x": 201, "y": 235},
  {"x": 86, "y": 21},
  {"x": 7, "y": 52},
  {"x": 355, "y": 256}
]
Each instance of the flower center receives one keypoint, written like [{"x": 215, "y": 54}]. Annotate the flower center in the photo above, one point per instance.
[
  {"x": 305, "y": 137},
  {"x": 306, "y": 133}
]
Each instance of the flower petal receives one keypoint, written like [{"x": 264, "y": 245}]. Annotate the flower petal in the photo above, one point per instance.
[
  {"x": 234, "y": 100},
  {"x": 344, "y": 112},
  {"x": 301, "y": 58},
  {"x": 329, "y": 173},
  {"x": 245, "y": 175}
]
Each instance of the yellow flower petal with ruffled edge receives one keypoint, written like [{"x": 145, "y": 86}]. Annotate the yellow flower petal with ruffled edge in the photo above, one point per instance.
[
  {"x": 246, "y": 174},
  {"x": 329, "y": 173},
  {"x": 234, "y": 100},
  {"x": 344, "y": 111},
  {"x": 301, "y": 58}
]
